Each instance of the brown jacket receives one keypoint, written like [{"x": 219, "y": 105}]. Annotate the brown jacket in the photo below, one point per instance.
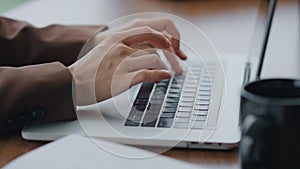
[{"x": 35, "y": 84}]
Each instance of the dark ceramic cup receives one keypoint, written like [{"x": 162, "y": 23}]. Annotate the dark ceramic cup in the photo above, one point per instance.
[{"x": 270, "y": 124}]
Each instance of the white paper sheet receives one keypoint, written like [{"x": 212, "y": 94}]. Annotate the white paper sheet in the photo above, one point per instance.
[{"x": 77, "y": 152}]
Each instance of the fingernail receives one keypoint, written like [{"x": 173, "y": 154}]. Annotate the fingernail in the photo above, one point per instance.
[
  {"x": 182, "y": 55},
  {"x": 166, "y": 74}
]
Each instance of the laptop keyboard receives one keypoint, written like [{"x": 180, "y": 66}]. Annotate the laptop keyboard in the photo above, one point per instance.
[{"x": 180, "y": 102}]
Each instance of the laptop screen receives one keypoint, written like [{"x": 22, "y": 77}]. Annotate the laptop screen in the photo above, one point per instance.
[{"x": 262, "y": 32}]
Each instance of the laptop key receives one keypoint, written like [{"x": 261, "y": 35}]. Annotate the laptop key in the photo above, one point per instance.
[
  {"x": 170, "y": 109},
  {"x": 198, "y": 118},
  {"x": 192, "y": 83},
  {"x": 203, "y": 97},
  {"x": 149, "y": 120},
  {"x": 136, "y": 111},
  {"x": 187, "y": 99},
  {"x": 165, "y": 122},
  {"x": 172, "y": 99},
  {"x": 131, "y": 123},
  {"x": 205, "y": 85},
  {"x": 191, "y": 86},
  {"x": 156, "y": 96},
  {"x": 186, "y": 104},
  {"x": 173, "y": 95},
  {"x": 167, "y": 114},
  {"x": 140, "y": 101},
  {"x": 192, "y": 95},
  {"x": 183, "y": 114},
  {"x": 182, "y": 119},
  {"x": 163, "y": 83},
  {"x": 198, "y": 124},
  {"x": 156, "y": 107},
  {"x": 140, "y": 107},
  {"x": 200, "y": 112},
  {"x": 185, "y": 109},
  {"x": 204, "y": 93},
  {"x": 175, "y": 87},
  {"x": 156, "y": 101},
  {"x": 174, "y": 91},
  {"x": 161, "y": 89},
  {"x": 135, "y": 117},
  {"x": 206, "y": 81},
  {"x": 159, "y": 92},
  {"x": 149, "y": 124},
  {"x": 152, "y": 112},
  {"x": 201, "y": 102},
  {"x": 189, "y": 90},
  {"x": 171, "y": 105},
  {"x": 145, "y": 90},
  {"x": 201, "y": 107}
]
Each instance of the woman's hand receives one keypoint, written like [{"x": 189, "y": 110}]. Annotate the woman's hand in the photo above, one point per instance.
[
  {"x": 117, "y": 63},
  {"x": 163, "y": 25}
]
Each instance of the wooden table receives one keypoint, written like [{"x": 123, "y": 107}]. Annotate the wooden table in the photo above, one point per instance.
[
  {"x": 227, "y": 23},
  {"x": 12, "y": 146}
]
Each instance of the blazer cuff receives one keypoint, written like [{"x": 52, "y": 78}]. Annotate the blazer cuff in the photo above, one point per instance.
[{"x": 35, "y": 94}]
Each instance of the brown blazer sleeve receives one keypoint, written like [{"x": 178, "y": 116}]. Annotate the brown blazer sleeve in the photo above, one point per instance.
[{"x": 35, "y": 84}]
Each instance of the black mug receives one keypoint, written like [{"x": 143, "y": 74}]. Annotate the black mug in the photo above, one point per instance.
[{"x": 270, "y": 124}]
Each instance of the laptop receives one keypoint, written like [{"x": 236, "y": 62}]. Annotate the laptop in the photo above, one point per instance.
[{"x": 196, "y": 109}]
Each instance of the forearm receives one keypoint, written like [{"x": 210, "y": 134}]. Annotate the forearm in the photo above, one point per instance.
[
  {"x": 23, "y": 44},
  {"x": 35, "y": 94},
  {"x": 30, "y": 91}
]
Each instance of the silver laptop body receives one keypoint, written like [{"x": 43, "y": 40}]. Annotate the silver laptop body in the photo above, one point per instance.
[{"x": 198, "y": 109}]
